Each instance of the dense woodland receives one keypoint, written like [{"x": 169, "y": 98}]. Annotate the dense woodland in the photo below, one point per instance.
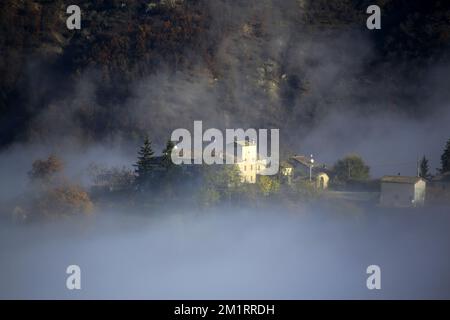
[{"x": 245, "y": 54}]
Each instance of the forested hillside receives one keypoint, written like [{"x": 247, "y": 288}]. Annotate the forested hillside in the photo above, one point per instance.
[{"x": 139, "y": 66}]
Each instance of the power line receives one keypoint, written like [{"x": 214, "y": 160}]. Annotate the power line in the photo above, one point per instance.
[{"x": 393, "y": 164}]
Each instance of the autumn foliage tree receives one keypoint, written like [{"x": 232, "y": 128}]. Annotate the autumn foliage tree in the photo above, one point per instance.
[
  {"x": 65, "y": 200},
  {"x": 268, "y": 185},
  {"x": 54, "y": 196},
  {"x": 45, "y": 170}
]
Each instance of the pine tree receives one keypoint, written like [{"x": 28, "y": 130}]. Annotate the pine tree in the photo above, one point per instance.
[
  {"x": 167, "y": 154},
  {"x": 445, "y": 158},
  {"x": 144, "y": 164},
  {"x": 424, "y": 169}
]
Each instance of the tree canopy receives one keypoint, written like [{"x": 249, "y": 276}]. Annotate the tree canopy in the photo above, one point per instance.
[
  {"x": 424, "y": 168},
  {"x": 167, "y": 154},
  {"x": 351, "y": 167},
  {"x": 144, "y": 165},
  {"x": 45, "y": 170},
  {"x": 445, "y": 158}
]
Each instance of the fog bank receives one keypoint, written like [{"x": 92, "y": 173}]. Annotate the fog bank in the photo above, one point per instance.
[{"x": 230, "y": 254}]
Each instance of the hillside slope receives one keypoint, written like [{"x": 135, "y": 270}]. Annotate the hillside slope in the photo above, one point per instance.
[{"x": 139, "y": 66}]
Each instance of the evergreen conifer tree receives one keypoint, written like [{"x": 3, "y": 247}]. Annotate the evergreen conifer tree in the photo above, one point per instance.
[
  {"x": 167, "y": 154},
  {"x": 424, "y": 169},
  {"x": 445, "y": 158},
  {"x": 144, "y": 164}
]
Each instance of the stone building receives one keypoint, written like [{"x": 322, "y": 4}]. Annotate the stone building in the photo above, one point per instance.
[{"x": 402, "y": 191}]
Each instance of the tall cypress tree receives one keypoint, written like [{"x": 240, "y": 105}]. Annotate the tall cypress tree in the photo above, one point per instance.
[
  {"x": 167, "y": 154},
  {"x": 144, "y": 164},
  {"x": 445, "y": 158},
  {"x": 424, "y": 168}
]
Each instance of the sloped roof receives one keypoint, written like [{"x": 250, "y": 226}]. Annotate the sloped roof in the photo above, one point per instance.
[
  {"x": 401, "y": 179},
  {"x": 306, "y": 162},
  {"x": 303, "y": 160}
]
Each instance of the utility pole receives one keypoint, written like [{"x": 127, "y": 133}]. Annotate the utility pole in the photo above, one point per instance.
[
  {"x": 418, "y": 167},
  {"x": 349, "y": 167},
  {"x": 310, "y": 168}
]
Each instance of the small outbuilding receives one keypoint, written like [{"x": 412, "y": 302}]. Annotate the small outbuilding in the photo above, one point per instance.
[{"x": 402, "y": 191}]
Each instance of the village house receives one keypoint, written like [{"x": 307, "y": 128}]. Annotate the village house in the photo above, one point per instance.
[
  {"x": 286, "y": 172},
  {"x": 245, "y": 156},
  {"x": 248, "y": 161},
  {"x": 302, "y": 167},
  {"x": 402, "y": 191}
]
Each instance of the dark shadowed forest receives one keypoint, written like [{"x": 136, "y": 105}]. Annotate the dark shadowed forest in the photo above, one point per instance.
[{"x": 139, "y": 67}]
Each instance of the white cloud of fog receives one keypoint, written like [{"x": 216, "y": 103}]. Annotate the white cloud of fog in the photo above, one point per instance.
[{"x": 228, "y": 255}]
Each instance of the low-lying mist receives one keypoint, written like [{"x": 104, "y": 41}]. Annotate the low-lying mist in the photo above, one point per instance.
[{"x": 230, "y": 253}]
